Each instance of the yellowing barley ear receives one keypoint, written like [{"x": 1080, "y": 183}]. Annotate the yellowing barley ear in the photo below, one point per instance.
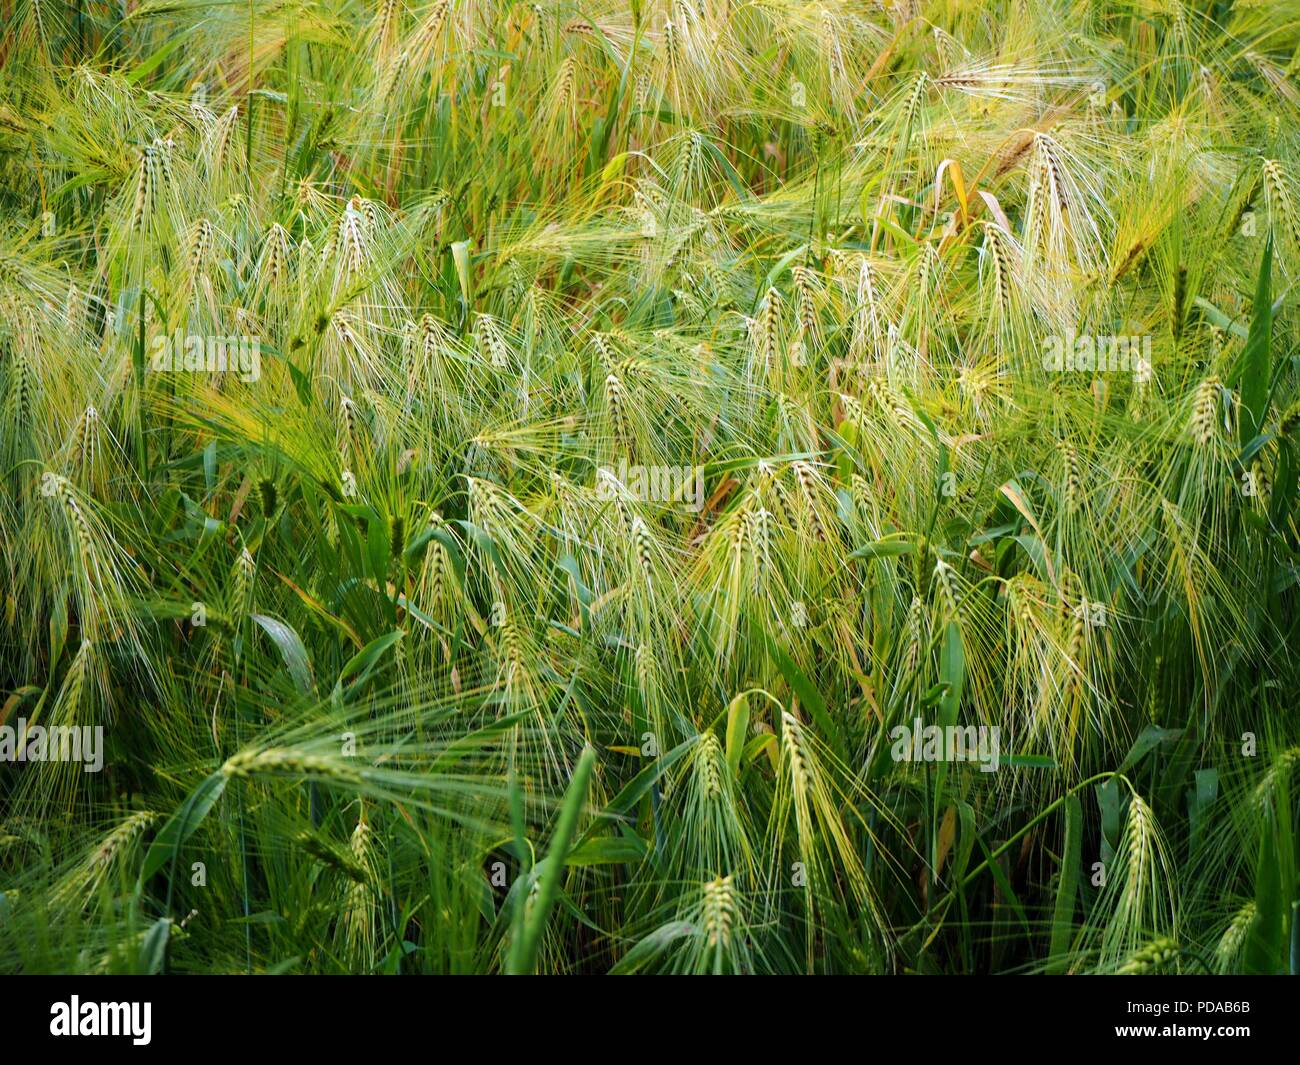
[
  {"x": 1228, "y": 951},
  {"x": 1140, "y": 907},
  {"x": 274, "y": 265},
  {"x": 492, "y": 342},
  {"x": 219, "y": 142},
  {"x": 81, "y": 884},
  {"x": 945, "y": 579},
  {"x": 807, "y": 481},
  {"x": 1279, "y": 771},
  {"x": 359, "y": 901},
  {"x": 672, "y": 54},
  {"x": 435, "y": 575},
  {"x": 915, "y": 630},
  {"x": 331, "y": 855},
  {"x": 75, "y": 683},
  {"x": 511, "y": 649},
  {"x": 44, "y": 23},
  {"x": 387, "y": 25},
  {"x": 564, "y": 85},
  {"x": 708, "y": 761},
  {"x": 1073, "y": 476},
  {"x": 896, "y": 408},
  {"x": 643, "y": 547},
  {"x": 428, "y": 38},
  {"x": 834, "y": 53},
  {"x": 1076, "y": 653},
  {"x": 1281, "y": 197},
  {"x": 774, "y": 492},
  {"x": 760, "y": 537},
  {"x": 1290, "y": 421},
  {"x": 145, "y": 193},
  {"x": 1205, "y": 405},
  {"x": 21, "y": 399},
  {"x": 801, "y": 777},
  {"x": 85, "y": 448},
  {"x": 1261, "y": 482},
  {"x": 242, "y": 585},
  {"x": 77, "y": 520},
  {"x": 792, "y": 737},
  {"x": 769, "y": 330},
  {"x": 352, "y": 236},
  {"x": 1150, "y": 958},
  {"x": 1001, "y": 258},
  {"x": 286, "y": 762},
  {"x": 616, "y": 403},
  {"x": 347, "y": 432},
  {"x": 605, "y": 351},
  {"x": 719, "y": 912},
  {"x": 805, "y": 307},
  {"x": 200, "y": 243},
  {"x": 59, "y": 781},
  {"x": 854, "y": 413},
  {"x": 647, "y": 675}
]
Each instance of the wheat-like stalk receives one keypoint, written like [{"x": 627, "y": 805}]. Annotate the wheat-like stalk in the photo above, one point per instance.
[
  {"x": 1233, "y": 939},
  {"x": 719, "y": 912},
  {"x": 279, "y": 761}
]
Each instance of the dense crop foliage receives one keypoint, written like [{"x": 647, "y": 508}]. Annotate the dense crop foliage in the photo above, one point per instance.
[{"x": 552, "y": 487}]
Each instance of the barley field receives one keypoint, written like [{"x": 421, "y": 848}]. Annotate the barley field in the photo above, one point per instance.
[{"x": 688, "y": 486}]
